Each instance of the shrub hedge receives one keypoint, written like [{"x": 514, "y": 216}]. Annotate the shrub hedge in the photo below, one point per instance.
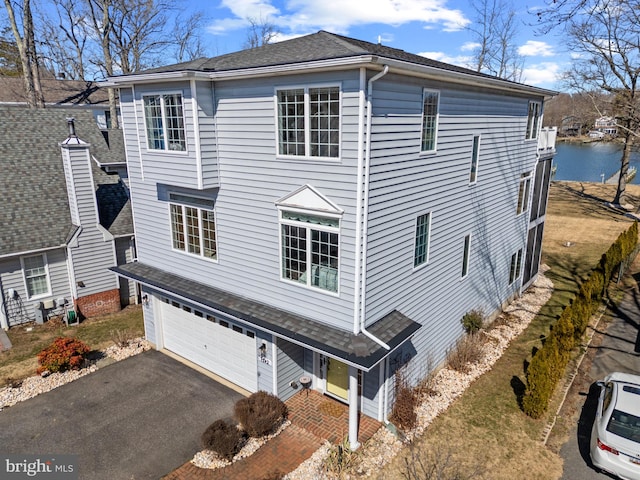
[
  {"x": 260, "y": 414},
  {"x": 549, "y": 362}
]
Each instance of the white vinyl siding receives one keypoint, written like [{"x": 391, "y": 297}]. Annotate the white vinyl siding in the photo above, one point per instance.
[
  {"x": 36, "y": 275},
  {"x": 310, "y": 250},
  {"x": 430, "y": 106},
  {"x": 309, "y": 122},
  {"x": 421, "y": 250},
  {"x": 164, "y": 120}
]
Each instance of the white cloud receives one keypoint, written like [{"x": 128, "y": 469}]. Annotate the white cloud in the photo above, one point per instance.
[
  {"x": 534, "y": 48},
  {"x": 545, "y": 73},
  {"x": 460, "y": 60},
  {"x": 339, "y": 15},
  {"x": 469, "y": 46}
]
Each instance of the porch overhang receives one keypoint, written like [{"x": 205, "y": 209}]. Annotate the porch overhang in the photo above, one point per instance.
[{"x": 359, "y": 350}]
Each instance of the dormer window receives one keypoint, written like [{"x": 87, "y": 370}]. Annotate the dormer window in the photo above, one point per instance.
[{"x": 164, "y": 120}]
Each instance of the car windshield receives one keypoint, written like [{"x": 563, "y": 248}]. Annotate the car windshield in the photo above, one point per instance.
[{"x": 624, "y": 425}]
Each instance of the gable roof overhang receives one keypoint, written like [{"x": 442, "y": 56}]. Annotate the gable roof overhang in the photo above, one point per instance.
[
  {"x": 355, "y": 350},
  {"x": 374, "y": 62}
]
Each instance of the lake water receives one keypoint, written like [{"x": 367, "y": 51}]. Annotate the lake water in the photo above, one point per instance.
[{"x": 587, "y": 162}]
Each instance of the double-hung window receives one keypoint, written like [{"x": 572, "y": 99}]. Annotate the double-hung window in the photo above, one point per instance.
[
  {"x": 193, "y": 230},
  {"x": 430, "y": 105},
  {"x": 310, "y": 249},
  {"x": 309, "y": 121},
  {"x": 164, "y": 121},
  {"x": 475, "y": 153},
  {"x": 516, "y": 263},
  {"x": 533, "y": 120},
  {"x": 423, "y": 231},
  {"x": 523, "y": 193},
  {"x": 36, "y": 275}
]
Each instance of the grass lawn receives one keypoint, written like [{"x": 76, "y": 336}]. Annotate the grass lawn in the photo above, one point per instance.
[
  {"x": 20, "y": 361},
  {"x": 485, "y": 430}
]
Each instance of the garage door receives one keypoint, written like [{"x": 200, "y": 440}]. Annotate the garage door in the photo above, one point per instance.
[{"x": 221, "y": 347}]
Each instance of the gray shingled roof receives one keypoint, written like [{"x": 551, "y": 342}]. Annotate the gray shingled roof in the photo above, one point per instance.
[
  {"x": 394, "y": 329},
  {"x": 317, "y": 46},
  {"x": 35, "y": 209}
]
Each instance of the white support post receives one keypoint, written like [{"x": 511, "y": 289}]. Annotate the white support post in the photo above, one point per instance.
[{"x": 353, "y": 408}]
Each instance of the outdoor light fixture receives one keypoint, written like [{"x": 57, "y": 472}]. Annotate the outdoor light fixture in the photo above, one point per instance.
[
  {"x": 145, "y": 300},
  {"x": 263, "y": 350}
]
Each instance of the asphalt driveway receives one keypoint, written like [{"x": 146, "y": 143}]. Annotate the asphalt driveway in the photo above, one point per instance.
[
  {"x": 136, "y": 419},
  {"x": 616, "y": 348}
]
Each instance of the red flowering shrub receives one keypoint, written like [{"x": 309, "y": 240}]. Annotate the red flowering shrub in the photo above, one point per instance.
[{"x": 65, "y": 353}]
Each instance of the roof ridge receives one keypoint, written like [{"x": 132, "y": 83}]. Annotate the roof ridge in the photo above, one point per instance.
[{"x": 344, "y": 41}]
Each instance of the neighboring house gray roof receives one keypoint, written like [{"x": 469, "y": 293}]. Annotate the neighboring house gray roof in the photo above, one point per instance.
[
  {"x": 309, "y": 48},
  {"x": 35, "y": 209},
  {"x": 359, "y": 350},
  {"x": 74, "y": 92}
]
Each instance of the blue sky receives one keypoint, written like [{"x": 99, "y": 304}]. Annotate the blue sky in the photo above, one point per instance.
[{"x": 433, "y": 28}]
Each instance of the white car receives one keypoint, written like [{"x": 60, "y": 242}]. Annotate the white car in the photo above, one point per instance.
[{"x": 615, "y": 436}]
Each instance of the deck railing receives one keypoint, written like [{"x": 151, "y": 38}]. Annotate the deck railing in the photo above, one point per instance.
[{"x": 547, "y": 140}]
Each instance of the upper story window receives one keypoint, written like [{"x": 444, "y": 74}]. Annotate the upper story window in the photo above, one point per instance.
[
  {"x": 36, "y": 275},
  {"x": 523, "y": 193},
  {"x": 423, "y": 232},
  {"x": 533, "y": 119},
  {"x": 310, "y": 249},
  {"x": 193, "y": 230},
  {"x": 475, "y": 153},
  {"x": 164, "y": 122},
  {"x": 309, "y": 122},
  {"x": 466, "y": 255},
  {"x": 430, "y": 104}
]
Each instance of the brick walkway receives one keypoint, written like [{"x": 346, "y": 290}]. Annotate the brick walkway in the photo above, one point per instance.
[{"x": 314, "y": 418}]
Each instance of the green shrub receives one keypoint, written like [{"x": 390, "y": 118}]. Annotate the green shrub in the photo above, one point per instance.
[
  {"x": 473, "y": 321},
  {"x": 223, "y": 438},
  {"x": 563, "y": 331},
  {"x": 260, "y": 414},
  {"x": 65, "y": 353}
]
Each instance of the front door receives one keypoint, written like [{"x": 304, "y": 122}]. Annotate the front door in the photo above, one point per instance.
[{"x": 337, "y": 378}]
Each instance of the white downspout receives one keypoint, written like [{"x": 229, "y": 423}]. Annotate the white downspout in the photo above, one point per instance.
[{"x": 365, "y": 212}]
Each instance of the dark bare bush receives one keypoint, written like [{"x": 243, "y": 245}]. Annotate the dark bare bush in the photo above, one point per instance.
[
  {"x": 260, "y": 414},
  {"x": 466, "y": 353},
  {"x": 436, "y": 464},
  {"x": 403, "y": 414},
  {"x": 223, "y": 438},
  {"x": 121, "y": 338}
]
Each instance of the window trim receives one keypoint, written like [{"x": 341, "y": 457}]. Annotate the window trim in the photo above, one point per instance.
[
  {"x": 425, "y": 92},
  {"x": 307, "y": 121},
  {"x": 338, "y": 230},
  {"x": 417, "y": 266},
  {"x": 47, "y": 276},
  {"x": 183, "y": 207},
  {"x": 524, "y": 193},
  {"x": 533, "y": 121},
  {"x": 466, "y": 256},
  {"x": 475, "y": 159},
  {"x": 515, "y": 269},
  {"x": 161, "y": 94}
]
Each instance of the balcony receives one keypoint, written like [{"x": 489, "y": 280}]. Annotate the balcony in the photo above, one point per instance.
[{"x": 547, "y": 141}]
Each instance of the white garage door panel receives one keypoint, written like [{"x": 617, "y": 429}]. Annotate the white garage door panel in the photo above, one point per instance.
[{"x": 221, "y": 350}]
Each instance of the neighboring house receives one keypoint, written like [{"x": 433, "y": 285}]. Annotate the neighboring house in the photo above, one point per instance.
[
  {"x": 323, "y": 211},
  {"x": 65, "y": 221},
  {"x": 571, "y": 126},
  {"x": 606, "y": 125}
]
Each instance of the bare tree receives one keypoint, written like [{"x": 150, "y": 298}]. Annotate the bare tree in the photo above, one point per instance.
[
  {"x": 606, "y": 36},
  {"x": 260, "y": 32},
  {"x": 25, "y": 42},
  {"x": 10, "y": 64},
  {"x": 494, "y": 30}
]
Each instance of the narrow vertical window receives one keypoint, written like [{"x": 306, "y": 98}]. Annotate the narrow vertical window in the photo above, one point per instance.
[
  {"x": 475, "y": 152},
  {"x": 421, "y": 250},
  {"x": 516, "y": 263},
  {"x": 291, "y": 122},
  {"x": 324, "y": 119},
  {"x": 533, "y": 119},
  {"x": 429, "y": 120},
  {"x": 523, "y": 193},
  {"x": 466, "y": 255}
]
